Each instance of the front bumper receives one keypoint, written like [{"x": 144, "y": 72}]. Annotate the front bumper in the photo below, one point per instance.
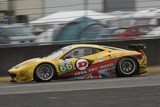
[
  {"x": 24, "y": 71},
  {"x": 20, "y": 76}
]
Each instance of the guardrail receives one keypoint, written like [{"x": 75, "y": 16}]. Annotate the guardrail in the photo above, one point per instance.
[{"x": 11, "y": 55}]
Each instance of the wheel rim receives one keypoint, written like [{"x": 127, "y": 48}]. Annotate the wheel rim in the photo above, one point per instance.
[
  {"x": 45, "y": 72},
  {"x": 128, "y": 66}
]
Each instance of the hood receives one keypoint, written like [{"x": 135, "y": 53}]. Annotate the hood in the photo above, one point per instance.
[{"x": 30, "y": 61}]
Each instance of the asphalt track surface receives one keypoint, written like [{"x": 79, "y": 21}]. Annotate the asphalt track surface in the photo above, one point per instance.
[{"x": 141, "y": 91}]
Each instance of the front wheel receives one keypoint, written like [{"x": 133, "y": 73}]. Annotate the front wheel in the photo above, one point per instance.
[
  {"x": 44, "y": 73},
  {"x": 127, "y": 67}
]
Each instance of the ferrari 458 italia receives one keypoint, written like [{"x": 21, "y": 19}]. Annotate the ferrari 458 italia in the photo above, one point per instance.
[{"x": 82, "y": 61}]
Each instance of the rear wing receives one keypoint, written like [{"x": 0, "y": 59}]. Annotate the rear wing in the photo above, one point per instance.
[{"x": 137, "y": 47}]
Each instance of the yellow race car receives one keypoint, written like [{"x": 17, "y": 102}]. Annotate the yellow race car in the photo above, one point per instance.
[{"x": 82, "y": 61}]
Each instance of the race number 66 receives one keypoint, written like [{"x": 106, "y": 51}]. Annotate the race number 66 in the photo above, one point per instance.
[{"x": 66, "y": 66}]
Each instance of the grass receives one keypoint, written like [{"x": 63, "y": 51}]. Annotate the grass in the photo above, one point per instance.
[{"x": 151, "y": 71}]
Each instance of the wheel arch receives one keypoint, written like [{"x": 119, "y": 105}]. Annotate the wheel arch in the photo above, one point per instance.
[
  {"x": 132, "y": 57},
  {"x": 56, "y": 75}
]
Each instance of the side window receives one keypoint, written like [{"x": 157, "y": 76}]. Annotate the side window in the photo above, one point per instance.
[
  {"x": 80, "y": 52},
  {"x": 94, "y": 50}
]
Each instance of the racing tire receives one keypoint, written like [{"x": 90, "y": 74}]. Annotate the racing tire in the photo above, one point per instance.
[
  {"x": 127, "y": 67},
  {"x": 44, "y": 72}
]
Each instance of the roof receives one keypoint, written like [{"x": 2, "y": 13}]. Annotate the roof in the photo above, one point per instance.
[
  {"x": 93, "y": 46},
  {"x": 86, "y": 45}
]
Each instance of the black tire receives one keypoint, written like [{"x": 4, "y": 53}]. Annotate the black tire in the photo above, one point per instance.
[
  {"x": 127, "y": 67},
  {"x": 44, "y": 72}
]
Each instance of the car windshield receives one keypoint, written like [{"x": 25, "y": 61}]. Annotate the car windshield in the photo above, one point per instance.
[
  {"x": 59, "y": 52},
  {"x": 17, "y": 31},
  {"x": 56, "y": 54}
]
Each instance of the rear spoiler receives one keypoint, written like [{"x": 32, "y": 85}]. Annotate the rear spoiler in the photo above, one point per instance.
[{"x": 137, "y": 47}]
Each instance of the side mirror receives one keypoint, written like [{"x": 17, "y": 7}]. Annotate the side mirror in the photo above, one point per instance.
[{"x": 67, "y": 57}]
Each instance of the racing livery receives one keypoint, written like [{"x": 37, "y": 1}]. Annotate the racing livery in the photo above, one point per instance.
[{"x": 82, "y": 61}]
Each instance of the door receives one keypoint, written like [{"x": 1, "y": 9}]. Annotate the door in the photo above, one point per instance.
[{"x": 77, "y": 61}]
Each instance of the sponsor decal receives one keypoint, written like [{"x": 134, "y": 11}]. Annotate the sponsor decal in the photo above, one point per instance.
[
  {"x": 91, "y": 68},
  {"x": 23, "y": 73},
  {"x": 80, "y": 73},
  {"x": 106, "y": 66},
  {"x": 82, "y": 64},
  {"x": 23, "y": 76},
  {"x": 94, "y": 68}
]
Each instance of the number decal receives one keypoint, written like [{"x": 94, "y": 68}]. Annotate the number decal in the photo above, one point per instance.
[
  {"x": 66, "y": 66},
  {"x": 63, "y": 67},
  {"x": 69, "y": 66}
]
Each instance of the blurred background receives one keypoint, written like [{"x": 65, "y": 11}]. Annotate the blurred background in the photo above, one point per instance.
[
  {"x": 44, "y": 21},
  {"x": 33, "y": 28}
]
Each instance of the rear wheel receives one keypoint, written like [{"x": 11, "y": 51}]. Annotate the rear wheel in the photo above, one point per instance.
[
  {"x": 44, "y": 72},
  {"x": 127, "y": 67}
]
